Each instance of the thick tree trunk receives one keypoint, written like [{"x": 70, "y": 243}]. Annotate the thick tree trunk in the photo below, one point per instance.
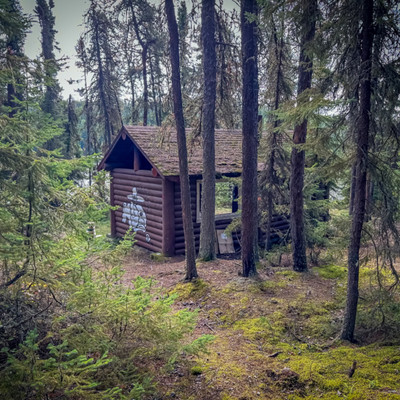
[
  {"x": 250, "y": 137},
  {"x": 362, "y": 137},
  {"x": 299, "y": 137},
  {"x": 191, "y": 271},
  {"x": 207, "y": 232}
]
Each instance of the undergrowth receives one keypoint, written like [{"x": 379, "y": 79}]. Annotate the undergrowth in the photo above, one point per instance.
[
  {"x": 97, "y": 339},
  {"x": 279, "y": 339}
]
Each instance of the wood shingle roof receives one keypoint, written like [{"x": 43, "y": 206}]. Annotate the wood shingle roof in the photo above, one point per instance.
[{"x": 159, "y": 146}]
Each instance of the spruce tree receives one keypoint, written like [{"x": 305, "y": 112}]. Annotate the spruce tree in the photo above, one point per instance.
[
  {"x": 249, "y": 230},
  {"x": 207, "y": 232},
  {"x": 72, "y": 148},
  {"x": 308, "y": 10},
  {"x": 44, "y": 11},
  {"x": 362, "y": 139},
  {"x": 191, "y": 271}
]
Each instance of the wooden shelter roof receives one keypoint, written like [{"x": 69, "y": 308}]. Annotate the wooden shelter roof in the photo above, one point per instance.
[{"x": 159, "y": 146}]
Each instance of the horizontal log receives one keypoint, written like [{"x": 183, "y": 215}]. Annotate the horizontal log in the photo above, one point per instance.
[
  {"x": 147, "y": 199},
  {"x": 149, "y": 217},
  {"x": 152, "y": 231},
  {"x": 156, "y": 247},
  {"x": 142, "y": 191},
  {"x": 150, "y": 226},
  {"x": 177, "y": 196},
  {"x": 147, "y": 206},
  {"x": 181, "y": 246},
  {"x": 280, "y": 225},
  {"x": 125, "y": 184},
  {"x": 179, "y": 220},
  {"x": 128, "y": 171},
  {"x": 181, "y": 235},
  {"x": 154, "y": 215},
  {"x": 141, "y": 235}
]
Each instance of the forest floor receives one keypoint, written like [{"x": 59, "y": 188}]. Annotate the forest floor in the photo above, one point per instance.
[{"x": 276, "y": 336}]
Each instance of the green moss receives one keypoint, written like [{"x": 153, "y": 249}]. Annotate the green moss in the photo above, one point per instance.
[
  {"x": 261, "y": 329},
  {"x": 226, "y": 396},
  {"x": 196, "y": 370},
  {"x": 190, "y": 290},
  {"x": 331, "y": 271},
  {"x": 288, "y": 274},
  {"x": 328, "y": 372},
  {"x": 159, "y": 257}
]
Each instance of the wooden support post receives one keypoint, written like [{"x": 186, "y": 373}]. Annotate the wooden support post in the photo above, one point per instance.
[
  {"x": 136, "y": 159},
  {"x": 168, "y": 245},
  {"x": 112, "y": 212}
]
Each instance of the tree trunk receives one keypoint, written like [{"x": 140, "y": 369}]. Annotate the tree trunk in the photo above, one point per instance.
[
  {"x": 145, "y": 47},
  {"x": 362, "y": 137},
  {"x": 250, "y": 137},
  {"x": 191, "y": 271},
  {"x": 207, "y": 232},
  {"x": 271, "y": 177},
  {"x": 353, "y": 114},
  {"x": 47, "y": 20},
  {"x": 102, "y": 92},
  {"x": 154, "y": 93},
  {"x": 145, "y": 86},
  {"x": 299, "y": 137}
]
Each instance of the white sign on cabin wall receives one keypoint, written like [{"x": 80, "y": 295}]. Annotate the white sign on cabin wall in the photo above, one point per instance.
[{"x": 133, "y": 213}]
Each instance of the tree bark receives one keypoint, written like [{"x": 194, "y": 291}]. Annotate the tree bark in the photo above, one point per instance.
[
  {"x": 144, "y": 46},
  {"x": 299, "y": 137},
  {"x": 156, "y": 104},
  {"x": 362, "y": 137},
  {"x": 145, "y": 87},
  {"x": 191, "y": 271},
  {"x": 207, "y": 232},
  {"x": 47, "y": 20},
  {"x": 250, "y": 137},
  {"x": 270, "y": 173},
  {"x": 101, "y": 84}
]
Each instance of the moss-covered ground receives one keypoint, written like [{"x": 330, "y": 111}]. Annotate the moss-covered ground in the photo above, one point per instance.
[{"x": 276, "y": 336}]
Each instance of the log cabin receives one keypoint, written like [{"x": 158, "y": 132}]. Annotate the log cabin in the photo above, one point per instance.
[{"x": 144, "y": 167}]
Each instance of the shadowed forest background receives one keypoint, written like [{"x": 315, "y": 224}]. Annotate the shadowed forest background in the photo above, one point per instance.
[{"x": 314, "y": 87}]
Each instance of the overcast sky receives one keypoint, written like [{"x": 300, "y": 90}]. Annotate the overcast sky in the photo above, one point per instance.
[{"x": 69, "y": 20}]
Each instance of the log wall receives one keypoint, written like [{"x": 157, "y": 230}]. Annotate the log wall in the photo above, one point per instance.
[
  {"x": 162, "y": 208},
  {"x": 179, "y": 235},
  {"x": 148, "y": 188},
  {"x": 280, "y": 224}
]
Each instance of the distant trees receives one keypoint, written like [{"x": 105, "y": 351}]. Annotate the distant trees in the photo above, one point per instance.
[
  {"x": 72, "y": 145},
  {"x": 100, "y": 61}
]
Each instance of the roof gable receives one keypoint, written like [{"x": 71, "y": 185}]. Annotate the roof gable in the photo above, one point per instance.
[{"x": 159, "y": 146}]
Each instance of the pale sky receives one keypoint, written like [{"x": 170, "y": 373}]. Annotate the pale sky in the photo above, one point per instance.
[{"x": 69, "y": 18}]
